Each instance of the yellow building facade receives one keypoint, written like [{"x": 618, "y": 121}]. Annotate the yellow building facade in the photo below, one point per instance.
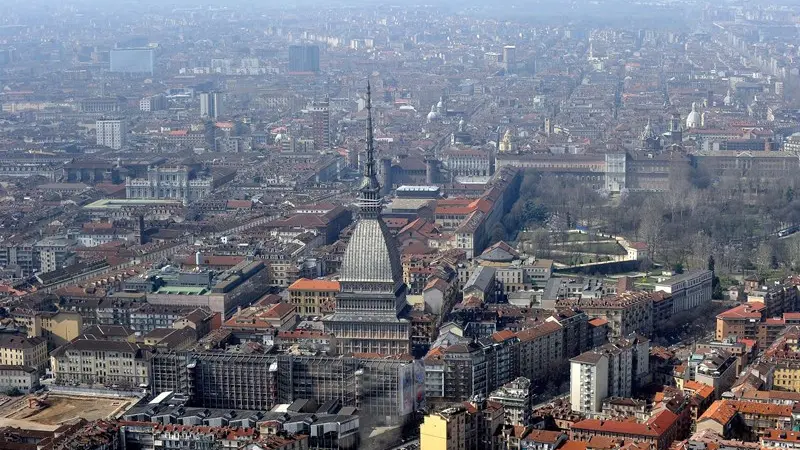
[
  {"x": 57, "y": 328},
  {"x": 445, "y": 430}
]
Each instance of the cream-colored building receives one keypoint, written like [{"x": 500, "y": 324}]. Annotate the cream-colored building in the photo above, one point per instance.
[
  {"x": 19, "y": 350},
  {"x": 87, "y": 361},
  {"x": 57, "y": 328}
]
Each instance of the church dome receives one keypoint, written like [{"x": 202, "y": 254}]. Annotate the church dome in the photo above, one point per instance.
[
  {"x": 694, "y": 120},
  {"x": 433, "y": 115}
]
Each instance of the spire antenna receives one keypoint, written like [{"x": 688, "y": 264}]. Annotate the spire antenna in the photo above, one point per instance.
[
  {"x": 369, "y": 170},
  {"x": 370, "y": 202}
]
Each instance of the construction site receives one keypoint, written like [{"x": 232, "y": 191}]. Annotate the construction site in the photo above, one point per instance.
[{"x": 46, "y": 412}]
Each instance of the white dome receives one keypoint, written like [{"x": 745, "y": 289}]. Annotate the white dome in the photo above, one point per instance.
[
  {"x": 693, "y": 120},
  {"x": 433, "y": 115}
]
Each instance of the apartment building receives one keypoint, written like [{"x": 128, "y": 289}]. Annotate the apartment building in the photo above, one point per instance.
[
  {"x": 19, "y": 350},
  {"x": 717, "y": 369},
  {"x": 615, "y": 369},
  {"x": 111, "y": 133},
  {"x": 745, "y": 420},
  {"x": 626, "y": 313},
  {"x": 55, "y": 253},
  {"x": 739, "y": 322},
  {"x": 22, "y": 378},
  {"x": 538, "y": 348},
  {"x": 588, "y": 382},
  {"x": 86, "y": 361},
  {"x": 445, "y": 430},
  {"x": 455, "y": 373},
  {"x": 777, "y": 298},
  {"x": 749, "y": 321},
  {"x": 261, "y": 323},
  {"x": 467, "y": 426},
  {"x": 516, "y": 399},
  {"x": 313, "y": 297},
  {"x": 57, "y": 328},
  {"x": 659, "y": 431}
]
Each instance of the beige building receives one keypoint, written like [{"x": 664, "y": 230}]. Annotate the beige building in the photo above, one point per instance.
[
  {"x": 512, "y": 272},
  {"x": 538, "y": 348},
  {"x": 19, "y": 350},
  {"x": 626, "y": 313},
  {"x": 57, "y": 328},
  {"x": 101, "y": 362},
  {"x": 313, "y": 297}
]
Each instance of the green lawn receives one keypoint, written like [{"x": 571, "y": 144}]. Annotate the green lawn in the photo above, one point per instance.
[
  {"x": 578, "y": 237},
  {"x": 602, "y": 248}
]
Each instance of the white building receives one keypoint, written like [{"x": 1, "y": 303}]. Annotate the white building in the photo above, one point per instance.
[
  {"x": 179, "y": 183},
  {"x": 111, "y": 133},
  {"x": 24, "y": 378},
  {"x": 54, "y": 253},
  {"x": 153, "y": 103},
  {"x": 100, "y": 362},
  {"x": 515, "y": 396},
  {"x": 211, "y": 105},
  {"x": 588, "y": 382},
  {"x": 613, "y": 370},
  {"x": 689, "y": 290}
]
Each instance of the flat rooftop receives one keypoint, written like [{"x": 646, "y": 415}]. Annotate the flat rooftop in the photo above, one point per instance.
[
  {"x": 117, "y": 203},
  {"x": 182, "y": 290}
]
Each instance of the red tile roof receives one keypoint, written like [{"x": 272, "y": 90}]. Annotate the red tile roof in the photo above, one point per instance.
[
  {"x": 304, "y": 284},
  {"x": 543, "y": 329},
  {"x": 743, "y": 312},
  {"x": 501, "y": 336},
  {"x": 655, "y": 427}
]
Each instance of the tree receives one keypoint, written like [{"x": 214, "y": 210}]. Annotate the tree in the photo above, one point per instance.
[
  {"x": 498, "y": 234},
  {"x": 793, "y": 251},
  {"x": 651, "y": 228},
  {"x": 711, "y": 263},
  {"x": 677, "y": 268},
  {"x": 540, "y": 241},
  {"x": 764, "y": 258},
  {"x": 533, "y": 212}
]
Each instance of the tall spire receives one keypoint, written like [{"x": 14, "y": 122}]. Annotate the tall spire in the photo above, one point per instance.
[
  {"x": 369, "y": 169},
  {"x": 370, "y": 202}
]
